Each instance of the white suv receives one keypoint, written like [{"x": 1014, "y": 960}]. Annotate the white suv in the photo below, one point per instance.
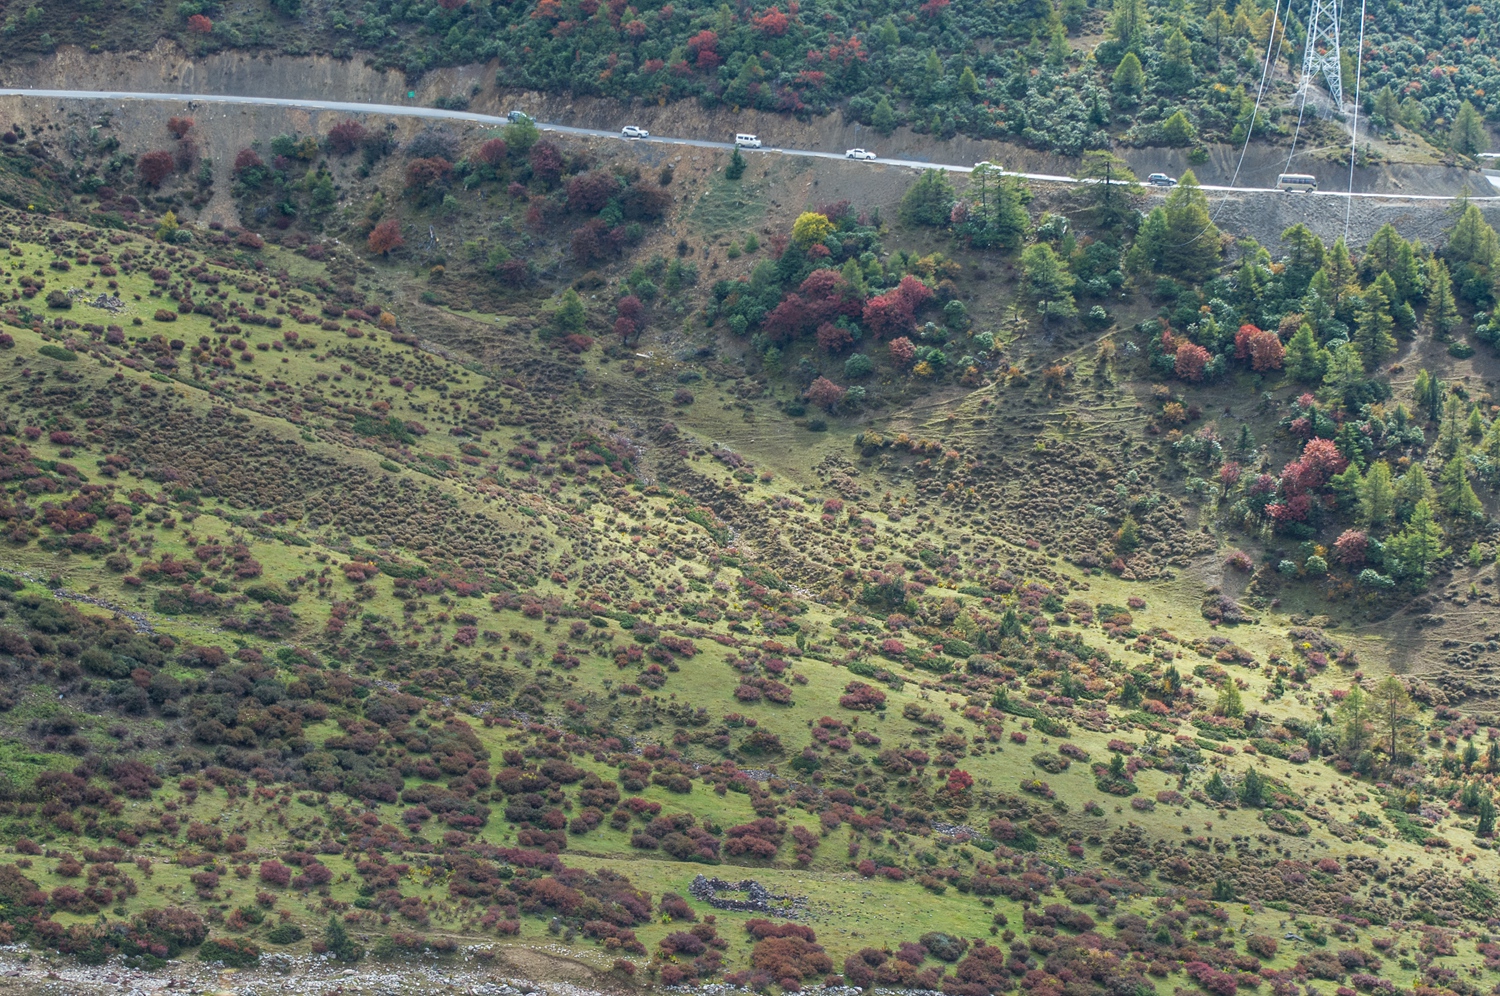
[
  {"x": 633, "y": 131},
  {"x": 859, "y": 154},
  {"x": 744, "y": 141}
]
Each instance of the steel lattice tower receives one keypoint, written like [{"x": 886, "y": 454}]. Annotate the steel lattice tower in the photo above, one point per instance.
[{"x": 1322, "y": 54}]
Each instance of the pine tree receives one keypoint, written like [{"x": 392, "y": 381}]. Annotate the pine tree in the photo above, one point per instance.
[
  {"x": 1229, "y": 703},
  {"x": 1189, "y": 241},
  {"x": 737, "y": 165},
  {"x": 1177, "y": 67},
  {"x": 1486, "y": 826},
  {"x": 1468, "y": 135},
  {"x": 1442, "y": 311},
  {"x": 168, "y": 227},
  {"x": 884, "y": 118},
  {"x": 1377, "y": 496},
  {"x": 1178, "y": 130},
  {"x": 1129, "y": 80},
  {"x": 1429, "y": 394},
  {"x": 1456, "y": 497},
  {"x": 1411, "y": 552},
  {"x": 1412, "y": 487},
  {"x": 339, "y": 943},
  {"x": 568, "y": 318},
  {"x": 1128, "y": 22},
  {"x": 1373, "y": 332},
  {"x": 1305, "y": 361},
  {"x": 1393, "y": 714},
  {"x": 1253, "y": 789},
  {"x": 968, "y": 83},
  {"x": 1049, "y": 282},
  {"x": 1472, "y": 240},
  {"x": 1353, "y": 718}
]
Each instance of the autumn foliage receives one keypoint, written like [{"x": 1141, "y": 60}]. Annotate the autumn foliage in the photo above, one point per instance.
[
  {"x": 155, "y": 167},
  {"x": 385, "y": 237}
]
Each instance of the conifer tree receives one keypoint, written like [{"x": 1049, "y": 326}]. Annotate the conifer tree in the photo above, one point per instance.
[{"x": 1373, "y": 333}]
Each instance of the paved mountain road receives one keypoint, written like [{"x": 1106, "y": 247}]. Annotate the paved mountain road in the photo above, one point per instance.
[{"x": 398, "y": 110}]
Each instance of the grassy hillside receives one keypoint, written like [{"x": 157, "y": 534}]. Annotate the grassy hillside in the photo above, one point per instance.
[{"x": 384, "y": 600}]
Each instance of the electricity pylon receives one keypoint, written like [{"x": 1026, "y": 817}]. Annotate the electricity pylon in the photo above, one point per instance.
[{"x": 1322, "y": 54}]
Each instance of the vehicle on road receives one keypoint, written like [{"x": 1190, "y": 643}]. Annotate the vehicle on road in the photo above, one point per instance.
[
  {"x": 1161, "y": 180},
  {"x": 747, "y": 141},
  {"x": 519, "y": 116},
  {"x": 1297, "y": 181},
  {"x": 859, "y": 154},
  {"x": 985, "y": 164},
  {"x": 634, "y": 131}
]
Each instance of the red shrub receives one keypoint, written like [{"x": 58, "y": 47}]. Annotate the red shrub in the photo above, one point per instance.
[
  {"x": 903, "y": 351},
  {"x": 834, "y": 338},
  {"x": 345, "y": 137},
  {"x": 494, "y": 152},
  {"x": 422, "y": 174},
  {"x": 1351, "y": 548},
  {"x": 825, "y": 394},
  {"x": 155, "y": 167},
  {"x": 1191, "y": 360},
  {"x": 546, "y": 163},
  {"x": 385, "y": 237},
  {"x": 275, "y": 873},
  {"x": 199, "y": 25},
  {"x": 179, "y": 126}
]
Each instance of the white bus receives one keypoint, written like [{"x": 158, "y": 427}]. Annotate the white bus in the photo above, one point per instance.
[{"x": 1297, "y": 181}]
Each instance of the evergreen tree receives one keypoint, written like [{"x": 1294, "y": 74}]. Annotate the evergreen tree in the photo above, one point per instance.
[
  {"x": 1305, "y": 361},
  {"x": 1305, "y": 255},
  {"x": 1411, "y": 552},
  {"x": 929, "y": 201},
  {"x": 1429, "y": 394},
  {"x": 968, "y": 83},
  {"x": 1129, "y": 80},
  {"x": 1177, "y": 66},
  {"x": 1412, "y": 487},
  {"x": 1229, "y": 702},
  {"x": 1394, "y": 716},
  {"x": 1389, "y": 253},
  {"x": 1377, "y": 496},
  {"x": 1216, "y": 25},
  {"x": 1373, "y": 333},
  {"x": 1049, "y": 282},
  {"x": 736, "y": 167},
  {"x": 1472, "y": 240},
  {"x": 1353, "y": 718},
  {"x": 1468, "y": 135},
  {"x": 568, "y": 317},
  {"x": 1128, "y": 22},
  {"x": 340, "y": 945},
  {"x": 884, "y": 118},
  {"x": 1486, "y": 808},
  {"x": 1253, "y": 789},
  {"x": 1178, "y": 130},
  {"x": 1112, "y": 187},
  {"x": 1346, "y": 368},
  {"x": 1183, "y": 241},
  {"x": 1442, "y": 311},
  {"x": 1402, "y": 314},
  {"x": 1456, "y": 497}
]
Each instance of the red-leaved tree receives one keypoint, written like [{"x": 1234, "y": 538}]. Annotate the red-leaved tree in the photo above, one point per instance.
[
  {"x": 903, "y": 351},
  {"x": 155, "y": 167},
  {"x": 199, "y": 25},
  {"x": 493, "y": 152},
  {"x": 385, "y": 237},
  {"x": 423, "y": 174},
  {"x": 825, "y": 393},
  {"x": 345, "y": 137},
  {"x": 1191, "y": 361},
  {"x": 546, "y": 163}
]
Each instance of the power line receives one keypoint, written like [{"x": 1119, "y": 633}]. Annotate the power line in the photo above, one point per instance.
[{"x": 1359, "y": 65}]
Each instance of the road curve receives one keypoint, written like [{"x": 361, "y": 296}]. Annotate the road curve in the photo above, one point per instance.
[{"x": 399, "y": 110}]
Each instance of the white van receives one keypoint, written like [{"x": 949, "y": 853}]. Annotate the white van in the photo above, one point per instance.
[
  {"x": 1297, "y": 181},
  {"x": 747, "y": 141}
]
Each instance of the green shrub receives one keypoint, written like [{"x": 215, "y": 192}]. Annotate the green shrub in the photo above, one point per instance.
[{"x": 57, "y": 353}]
